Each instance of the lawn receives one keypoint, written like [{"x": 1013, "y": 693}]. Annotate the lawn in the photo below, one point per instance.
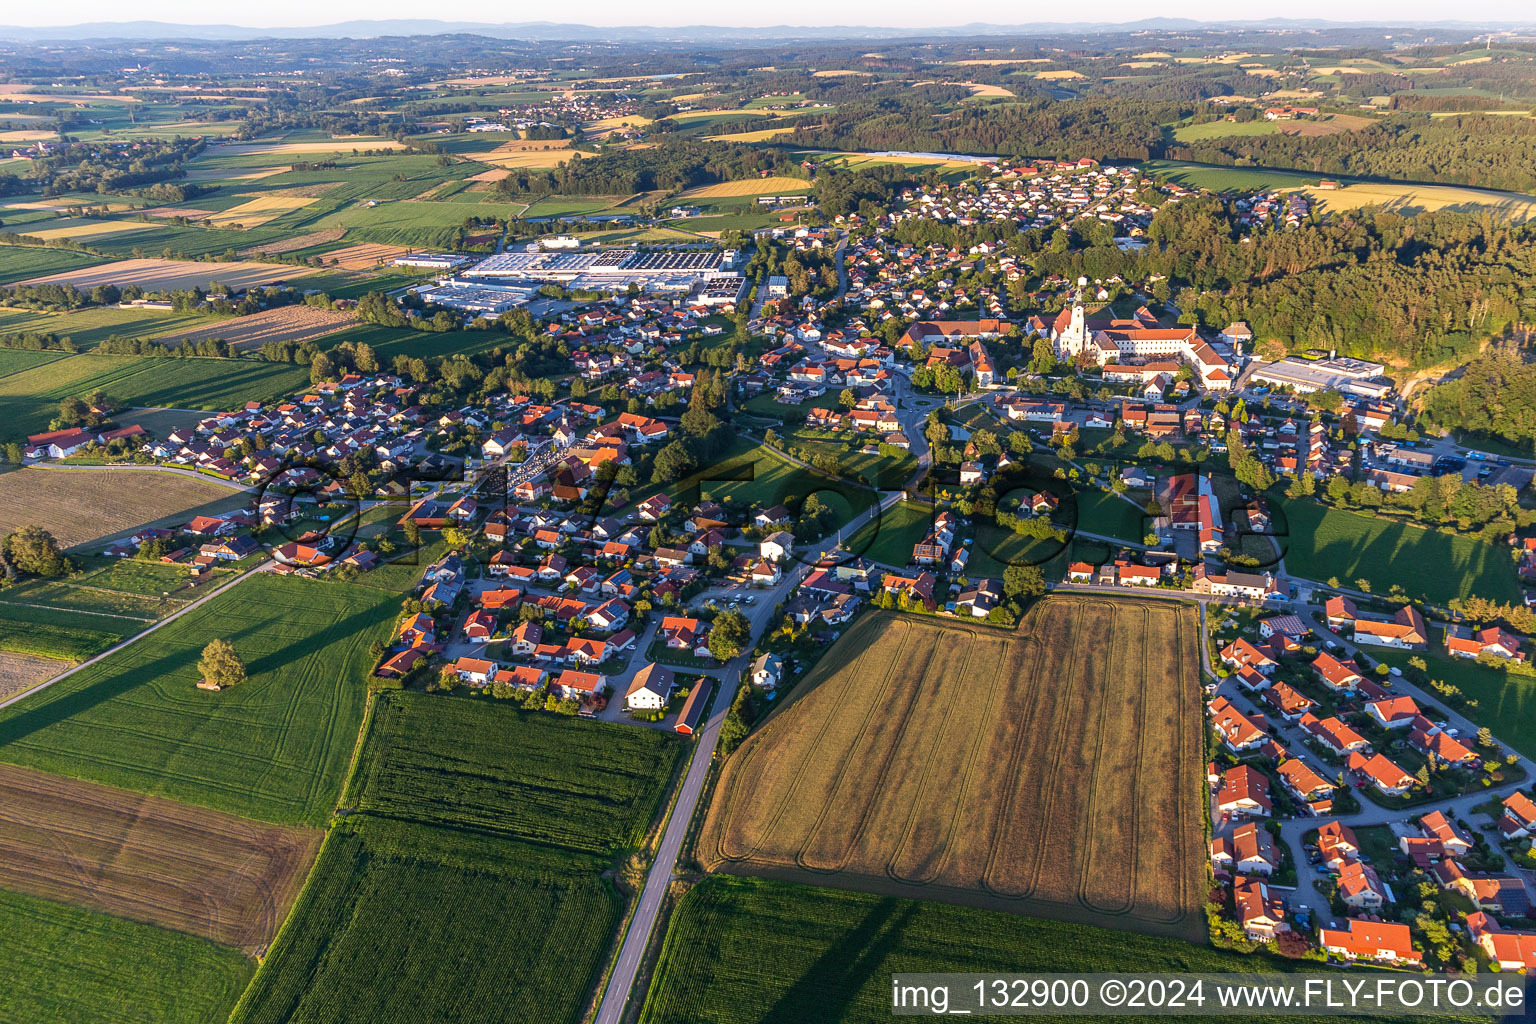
[
  {"x": 274, "y": 748},
  {"x": 751, "y": 951},
  {"x": 500, "y": 891},
  {"x": 761, "y": 476},
  {"x": 1322, "y": 542},
  {"x": 1110, "y": 515},
  {"x": 1506, "y": 702},
  {"x": 64, "y": 963},
  {"x": 888, "y": 539},
  {"x": 1068, "y": 790}
]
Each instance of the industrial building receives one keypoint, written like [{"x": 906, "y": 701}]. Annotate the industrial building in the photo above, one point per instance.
[{"x": 1341, "y": 373}]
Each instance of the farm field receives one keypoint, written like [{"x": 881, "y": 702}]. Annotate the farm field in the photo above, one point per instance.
[
  {"x": 18, "y": 262},
  {"x": 363, "y": 256},
  {"x": 748, "y": 187},
  {"x": 151, "y": 860},
  {"x": 14, "y": 360},
  {"x": 493, "y": 767},
  {"x": 285, "y": 323},
  {"x": 1229, "y": 179},
  {"x": 1321, "y": 542},
  {"x": 273, "y": 749},
  {"x": 80, "y": 228},
  {"x": 344, "y": 144},
  {"x": 257, "y": 211},
  {"x": 753, "y": 951},
  {"x": 521, "y": 812},
  {"x": 82, "y": 505},
  {"x": 62, "y": 634},
  {"x": 1410, "y": 199},
  {"x": 64, "y": 963},
  {"x": 20, "y": 672},
  {"x": 878, "y": 773},
  {"x": 29, "y": 399},
  {"x": 406, "y": 922},
  {"x": 88, "y": 327},
  {"x": 166, "y": 274},
  {"x": 1224, "y": 129},
  {"x": 295, "y": 243}
]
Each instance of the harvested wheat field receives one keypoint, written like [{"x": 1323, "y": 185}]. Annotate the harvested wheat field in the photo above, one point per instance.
[
  {"x": 78, "y": 506},
  {"x": 295, "y": 243},
  {"x": 1051, "y": 771},
  {"x": 157, "y": 273},
  {"x": 1337, "y": 124},
  {"x": 775, "y": 185},
  {"x": 286, "y": 323},
  {"x": 82, "y": 227},
  {"x": 494, "y": 174},
  {"x": 149, "y": 859},
  {"x": 256, "y": 212},
  {"x": 526, "y": 153},
  {"x": 341, "y": 145},
  {"x": 191, "y": 213},
  {"x": 364, "y": 256},
  {"x": 762, "y": 135},
  {"x": 20, "y": 672},
  {"x": 1411, "y": 199}
]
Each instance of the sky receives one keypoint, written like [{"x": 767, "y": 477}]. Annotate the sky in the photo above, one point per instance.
[{"x": 885, "y": 13}]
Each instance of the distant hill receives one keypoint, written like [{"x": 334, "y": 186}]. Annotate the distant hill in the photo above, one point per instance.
[{"x": 543, "y": 30}]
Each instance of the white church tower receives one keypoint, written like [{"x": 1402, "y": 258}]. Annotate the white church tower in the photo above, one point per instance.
[{"x": 1075, "y": 338}]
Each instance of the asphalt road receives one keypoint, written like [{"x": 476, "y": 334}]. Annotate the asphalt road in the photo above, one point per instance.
[{"x": 621, "y": 981}]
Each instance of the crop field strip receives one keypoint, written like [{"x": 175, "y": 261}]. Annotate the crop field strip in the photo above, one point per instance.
[
  {"x": 273, "y": 749},
  {"x": 1015, "y": 793},
  {"x": 204, "y": 872},
  {"x": 492, "y": 767},
  {"x": 29, "y": 399},
  {"x": 63, "y": 963},
  {"x": 461, "y": 836},
  {"x": 755, "y": 951}
]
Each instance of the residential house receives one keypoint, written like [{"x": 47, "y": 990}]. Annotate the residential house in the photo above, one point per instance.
[
  {"x": 651, "y": 688},
  {"x": 1244, "y": 793},
  {"x": 1245, "y": 849},
  {"x": 777, "y": 545},
  {"x": 1360, "y": 887},
  {"x": 1236, "y": 729},
  {"x": 1259, "y": 911},
  {"x": 1381, "y": 772},
  {"x": 1380, "y": 941},
  {"x": 767, "y": 670},
  {"x": 1393, "y": 712},
  {"x": 1519, "y": 818},
  {"x": 1406, "y": 631}
]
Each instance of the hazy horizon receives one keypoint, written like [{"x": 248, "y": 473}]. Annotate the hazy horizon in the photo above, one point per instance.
[{"x": 885, "y": 14}]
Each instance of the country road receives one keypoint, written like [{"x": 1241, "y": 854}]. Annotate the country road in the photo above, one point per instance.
[
  {"x": 263, "y": 567},
  {"x": 622, "y": 981}
]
